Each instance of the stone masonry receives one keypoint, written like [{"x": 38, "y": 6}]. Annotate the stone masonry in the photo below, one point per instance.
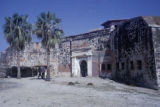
[
  {"x": 135, "y": 44},
  {"x": 126, "y": 50},
  {"x": 35, "y": 55}
]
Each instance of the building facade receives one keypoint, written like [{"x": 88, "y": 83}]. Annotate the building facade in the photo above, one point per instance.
[
  {"x": 87, "y": 54},
  {"x": 125, "y": 50},
  {"x": 136, "y": 47}
]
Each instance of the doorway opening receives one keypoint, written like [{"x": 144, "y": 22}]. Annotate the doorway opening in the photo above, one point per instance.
[{"x": 83, "y": 66}]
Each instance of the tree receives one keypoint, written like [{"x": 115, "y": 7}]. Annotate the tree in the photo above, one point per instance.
[
  {"x": 17, "y": 32},
  {"x": 48, "y": 30}
]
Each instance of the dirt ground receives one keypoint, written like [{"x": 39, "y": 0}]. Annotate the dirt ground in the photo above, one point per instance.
[{"x": 74, "y": 92}]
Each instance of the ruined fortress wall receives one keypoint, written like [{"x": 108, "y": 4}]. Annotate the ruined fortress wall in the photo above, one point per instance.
[
  {"x": 63, "y": 59},
  {"x": 156, "y": 45},
  {"x": 34, "y": 54},
  {"x": 96, "y": 40},
  {"x": 133, "y": 48},
  {"x": 3, "y": 71}
]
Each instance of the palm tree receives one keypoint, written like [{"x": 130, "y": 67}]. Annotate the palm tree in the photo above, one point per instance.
[
  {"x": 48, "y": 30},
  {"x": 17, "y": 32}
]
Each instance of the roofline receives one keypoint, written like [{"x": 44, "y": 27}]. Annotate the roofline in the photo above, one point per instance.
[
  {"x": 85, "y": 33},
  {"x": 116, "y": 20}
]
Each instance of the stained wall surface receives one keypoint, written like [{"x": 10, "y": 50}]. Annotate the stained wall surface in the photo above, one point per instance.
[
  {"x": 156, "y": 45},
  {"x": 130, "y": 52},
  {"x": 133, "y": 45},
  {"x": 34, "y": 54}
]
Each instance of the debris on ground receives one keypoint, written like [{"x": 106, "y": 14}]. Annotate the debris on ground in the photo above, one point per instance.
[
  {"x": 90, "y": 84},
  {"x": 71, "y": 83}
]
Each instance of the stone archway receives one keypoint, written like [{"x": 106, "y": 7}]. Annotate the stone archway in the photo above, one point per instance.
[{"x": 83, "y": 67}]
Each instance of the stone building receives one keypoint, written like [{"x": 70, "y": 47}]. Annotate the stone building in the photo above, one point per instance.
[
  {"x": 126, "y": 50},
  {"x": 87, "y": 54},
  {"x": 136, "y": 45}
]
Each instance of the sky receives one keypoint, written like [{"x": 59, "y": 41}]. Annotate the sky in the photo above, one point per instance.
[{"x": 78, "y": 16}]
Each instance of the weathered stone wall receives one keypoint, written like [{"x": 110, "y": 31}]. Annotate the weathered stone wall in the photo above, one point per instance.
[
  {"x": 131, "y": 52},
  {"x": 64, "y": 57},
  {"x": 34, "y": 54},
  {"x": 134, "y": 53},
  {"x": 156, "y": 45},
  {"x": 3, "y": 71},
  {"x": 94, "y": 41}
]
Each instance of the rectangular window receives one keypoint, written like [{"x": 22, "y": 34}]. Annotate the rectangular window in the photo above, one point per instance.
[
  {"x": 123, "y": 65},
  {"x": 117, "y": 66},
  {"x": 108, "y": 66},
  {"x": 131, "y": 65},
  {"x": 139, "y": 64},
  {"x": 103, "y": 67}
]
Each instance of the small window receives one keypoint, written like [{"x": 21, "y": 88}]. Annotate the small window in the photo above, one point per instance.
[
  {"x": 108, "y": 66},
  {"x": 131, "y": 65},
  {"x": 117, "y": 66},
  {"x": 103, "y": 67},
  {"x": 139, "y": 64},
  {"x": 123, "y": 66}
]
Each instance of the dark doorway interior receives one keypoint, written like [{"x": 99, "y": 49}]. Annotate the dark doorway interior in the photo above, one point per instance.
[
  {"x": 83, "y": 67},
  {"x": 25, "y": 72}
]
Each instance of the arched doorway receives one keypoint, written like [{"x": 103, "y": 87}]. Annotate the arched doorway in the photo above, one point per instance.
[{"x": 83, "y": 66}]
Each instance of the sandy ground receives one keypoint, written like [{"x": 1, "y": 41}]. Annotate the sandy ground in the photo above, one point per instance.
[{"x": 33, "y": 92}]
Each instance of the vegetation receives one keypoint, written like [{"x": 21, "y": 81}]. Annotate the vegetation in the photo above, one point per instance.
[
  {"x": 17, "y": 32},
  {"x": 48, "y": 30}
]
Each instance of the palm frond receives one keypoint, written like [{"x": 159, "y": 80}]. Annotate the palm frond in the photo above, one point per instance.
[
  {"x": 17, "y": 30},
  {"x": 46, "y": 28}
]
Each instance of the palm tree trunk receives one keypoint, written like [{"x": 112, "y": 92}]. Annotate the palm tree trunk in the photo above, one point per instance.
[
  {"x": 18, "y": 66},
  {"x": 48, "y": 67}
]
